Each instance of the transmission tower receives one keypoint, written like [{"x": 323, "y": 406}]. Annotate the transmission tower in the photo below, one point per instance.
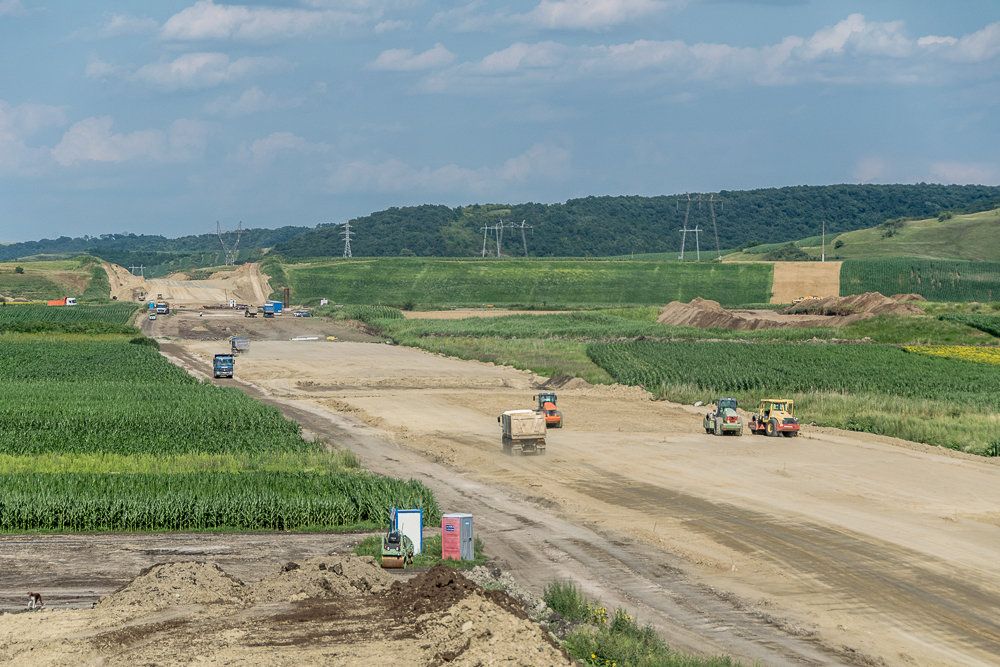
[
  {"x": 137, "y": 270},
  {"x": 524, "y": 239},
  {"x": 715, "y": 226},
  {"x": 230, "y": 252},
  {"x": 498, "y": 228},
  {"x": 697, "y": 230},
  {"x": 346, "y": 233}
]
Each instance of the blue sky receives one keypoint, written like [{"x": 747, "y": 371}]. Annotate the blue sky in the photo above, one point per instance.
[{"x": 165, "y": 117}]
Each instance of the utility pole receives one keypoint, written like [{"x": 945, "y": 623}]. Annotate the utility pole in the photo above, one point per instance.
[
  {"x": 524, "y": 239},
  {"x": 486, "y": 230},
  {"x": 715, "y": 226},
  {"x": 685, "y": 230},
  {"x": 499, "y": 232},
  {"x": 823, "y": 252},
  {"x": 346, "y": 232}
]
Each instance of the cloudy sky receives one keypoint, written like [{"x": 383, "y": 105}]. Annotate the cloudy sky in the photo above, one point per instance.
[{"x": 165, "y": 117}]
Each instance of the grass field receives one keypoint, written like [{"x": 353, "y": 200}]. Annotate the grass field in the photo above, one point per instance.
[
  {"x": 936, "y": 280},
  {"x": 534, "y": 283},
  {"x": 943, "y": 401},
  {"x": 102, "y": 433}
]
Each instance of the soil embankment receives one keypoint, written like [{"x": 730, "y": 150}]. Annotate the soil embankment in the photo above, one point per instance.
[{"x": 244, "y": 283}]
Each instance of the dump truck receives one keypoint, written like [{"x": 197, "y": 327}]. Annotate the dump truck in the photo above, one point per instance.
[
  {"x": 522, "y": 431},
  {"x": 239, "y": 344},
  {"x": 251, "y": 311},
  {"x": 547, "y": 406},
  {"x": 724, "y": 420},
  {"x": 774, "y": 417},
  {"x": 222, "y": 365},
  {"x": 268, "y": 309}
]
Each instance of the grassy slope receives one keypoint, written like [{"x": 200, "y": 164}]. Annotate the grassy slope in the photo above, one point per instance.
[
  {"x": 539, "y": 283},
  {"x": 970, "y": 236},
  {"x": 48, "y": 279}
]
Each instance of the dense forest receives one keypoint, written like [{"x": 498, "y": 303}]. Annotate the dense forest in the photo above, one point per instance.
[
  {"x": 588, "y": 227},
  {"x": 159, "y": 254},
  {"x": 609, "y": 226}
]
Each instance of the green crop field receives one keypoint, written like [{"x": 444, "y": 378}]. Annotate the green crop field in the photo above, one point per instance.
[
  {"x": 110, "y": 318},
  {"x": 535, "y": 283},
  {"x": 935, "y": 400},
  {"x": 987, "y": 323},
  {"x": 102, "y": 433},
  {"x": 936, "y": 280}
]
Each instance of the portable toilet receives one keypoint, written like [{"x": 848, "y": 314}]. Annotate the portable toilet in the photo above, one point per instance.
[{"x": 457, "y": 540}]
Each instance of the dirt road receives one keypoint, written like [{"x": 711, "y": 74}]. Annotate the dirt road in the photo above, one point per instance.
[{"x": 833, "y": 547}]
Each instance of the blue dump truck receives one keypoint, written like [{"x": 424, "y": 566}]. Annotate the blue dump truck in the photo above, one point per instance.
[{"x": 222, "y": 366}]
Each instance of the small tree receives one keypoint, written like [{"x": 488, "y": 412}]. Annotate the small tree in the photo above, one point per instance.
[
  {"x": 18, "y": 269},
  {"x": 838, "y": 244}
]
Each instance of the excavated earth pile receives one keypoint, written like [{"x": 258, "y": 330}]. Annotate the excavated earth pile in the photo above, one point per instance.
[
  {"x": 820, "y": 312},
  {"x": 328, "y": 610}
]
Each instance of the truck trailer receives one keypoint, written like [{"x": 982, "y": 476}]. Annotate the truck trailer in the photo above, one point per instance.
[{"x": 522, "y": 431}]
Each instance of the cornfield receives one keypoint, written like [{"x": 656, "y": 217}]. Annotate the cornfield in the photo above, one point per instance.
[
  {"x": 250, "y": 500},
  {"x": 778, "y": 368},
  {"x": 103, "y": 434},
  {"x": 111, "y": 318},
  {"x": 935, "y": 280}
]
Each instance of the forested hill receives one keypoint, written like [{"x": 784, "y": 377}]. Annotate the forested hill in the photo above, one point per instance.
[
  {"x": 159, "y": 254},
  {"x": 603, "y": 226}
]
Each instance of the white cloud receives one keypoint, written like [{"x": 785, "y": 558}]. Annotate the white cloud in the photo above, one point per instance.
[
  {"x": 250, "y": 101},
  {"x": 854, "y": 50},
  {"x": 125, "y": 24},
  {"x": 94, "y": 140},
  {"x": 390, "y": 25},
  {"x": 18, "y": 125},
  {"x": 870, "y": 169},
  {"x": 540, "y": 162},
  {"x": 553, "y": 15},
  {"x": 206, "y": 20},
  {"x": 202, "y": 70},
  {"x": 971, "y": 173},
  {"x": 100, "y": 69},
  {"x": 405, "y": 60},
  {"x": 12, "y": 8},
  {"x": 263, "y": 151}
]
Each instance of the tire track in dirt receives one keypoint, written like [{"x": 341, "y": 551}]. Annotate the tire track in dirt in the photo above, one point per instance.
[{"x": 876, "y": 578}]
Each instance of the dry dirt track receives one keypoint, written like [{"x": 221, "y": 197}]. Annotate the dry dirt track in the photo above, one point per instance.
[
  {"x": 793, "y": 280},
  {"x": 831, "y": 548}
]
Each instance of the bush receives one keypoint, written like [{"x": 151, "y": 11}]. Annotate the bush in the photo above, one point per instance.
[
  {"x": 564, "y": 598},
  {"x": 19, "y": 269},
  {"x": 838, "y": 244}
]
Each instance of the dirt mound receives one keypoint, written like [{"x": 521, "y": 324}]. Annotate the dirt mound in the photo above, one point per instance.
[
  {"x": 475, "y": 631},
  {"x": 169, "y": 584},
  {"x": 906, "y": 298},
  {"x": 329, "y": 576},
  {"x": 864, "y": 305},
  {"x": 706, "y": 314}
]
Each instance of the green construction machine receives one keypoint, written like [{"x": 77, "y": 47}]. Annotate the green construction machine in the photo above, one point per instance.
[
  {"x": 724, "y": 420},
  {"x": 397, "y": 548}
]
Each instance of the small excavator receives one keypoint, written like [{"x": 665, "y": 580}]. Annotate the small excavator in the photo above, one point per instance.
[
  {"x": 547, "y": 406},
  {"x": 397, "y": 549}
]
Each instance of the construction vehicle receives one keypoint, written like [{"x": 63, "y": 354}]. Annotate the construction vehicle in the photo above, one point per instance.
[
  {"x": 522, "y": 431},
  {"x": 724, "y": 419},
  {"x": 397, "y": 548},
  {"x": 774, "y": 417},
  {"x": 547, "y": 406},
  {"x": 162, "y": 308},
  {"x": 65, "y": 301},
  {"x": 222, "y": 365},
  {"x": 239, "y": 344},
  {"x": 268, "y": 310},
  {"x": 251, "y": 311}
]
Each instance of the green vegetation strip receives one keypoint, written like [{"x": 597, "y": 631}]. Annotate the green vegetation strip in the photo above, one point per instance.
[
  {"x": 873, "y": 388},
  {"x": 35, "y": 318},
  {"x": 935, "y": 280},
  {"x": 987, "y": 323},
  {"x": 616, "y": 640},
  {"x": 534, "y": 283},
  {"x": 103, "y": 434}
]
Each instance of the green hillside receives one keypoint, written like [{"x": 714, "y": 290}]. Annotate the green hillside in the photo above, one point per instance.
[
  {"x": 972, "y": 236},
  {"x": 415, "y": 282}
]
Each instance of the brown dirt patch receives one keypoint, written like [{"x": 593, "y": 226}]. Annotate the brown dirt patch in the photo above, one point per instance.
[
  {"x": 170, "y": 584},
  {"x": 794, "y": 280}
]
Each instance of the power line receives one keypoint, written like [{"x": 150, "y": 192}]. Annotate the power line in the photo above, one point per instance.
[{"x": 346, "y": 233}]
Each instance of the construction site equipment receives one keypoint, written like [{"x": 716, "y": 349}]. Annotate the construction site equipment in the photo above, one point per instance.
[
  {"x": 547, "y": 406},
  {"x": 222, "y": 365},
  {"x": 251, "y": 311},
  {"x": 397, "y": 548},
  {"x": 162, "y": 308},
  {"x": 239, "y": 344},
  {"x": 774, "y": 417},
  {"x": 522, "y": 431},
  {"x": 725, "y": 419},
  {"x": 457, "y": 541},
  {"x": 268, "y": 309}
]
